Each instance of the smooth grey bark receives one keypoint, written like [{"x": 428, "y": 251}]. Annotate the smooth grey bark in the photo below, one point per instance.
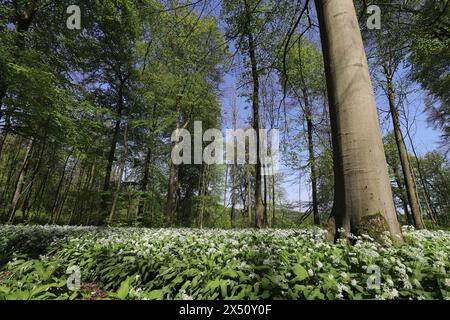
[{"x": 363, "y": 200}]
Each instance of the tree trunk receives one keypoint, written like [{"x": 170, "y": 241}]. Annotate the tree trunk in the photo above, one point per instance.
[
  {"x": 66, "y": 193},
  {"x": 6, "y": 129},
  {"x": 273, "y": 198},
  {"x": 402, "y": 191},
  {"x": 233, "y": 197},
  {"x": 410, "y": 185},
  {"x": 29, "y": 189},
  {"x": 115, "y": 139},
  {"x": 225, "y": 189},
  {"x": 265, "y": 202},
  {"x": 172, "y": 188},
  {"x": 58, "y": 189},
  {"x": 11, "y": 162},
  {"x": 145, "y": 179},
  {"x": 3, "y": 88},
  {"x": 312, "y": 157},
  {"x": 259, "y": 207},
  {"x": 234, "y": 167},
  {"x": 121, "y": 172},
  {"x": 171, "y": 194},
  {"x": 20, "y": 182},
  {"x": 202, "y": 193},
  {"x": 363, "y": 200},
  {"x": 431, "y": 210},
  {"x": 249, "y": 196},
  {"x": 38, "y": 198}
]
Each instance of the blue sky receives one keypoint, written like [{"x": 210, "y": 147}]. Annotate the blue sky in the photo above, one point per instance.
[{"x": 296, "y": 185}]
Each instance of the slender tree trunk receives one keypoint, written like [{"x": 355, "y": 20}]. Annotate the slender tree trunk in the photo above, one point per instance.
[
  {"x": 78, "y": 202},
  {"x": 233, "y": 167},
  {"x": 130, "y": 208},
  {"x": 115, "y": 139},
  {"x": 11, "y": 162},
  {"x": 225, "y": 189},
  {"x": 145, "y": 179},
  {"x": 402, "y": 191},
  {"x": 121, "y": 172},
  {"x": 233, "y": 197},
  {"x": 58, "y": 188},
  {"x": 312, "y": 157},
  {"x": 410, "y": 185},
  {"x": 312, "y": 163},
  {"x": 65, "y": 194},
  {"x": 202, "y": 196},
  {"x": 265, "y": 202},
  {"x": 26, "y": 202},
  {"x": 431, "y": 210},
  {"x": 363, "y": 197},
  {"x": 172, "y": 188},
  {"x": 3, "y": 88},
  {"x": 171, "y": 194},
  {"x": 273, "y": 198},
  {"x": 6, "y": 129},
  {"x": 38, "y": 198},
  {"x": 259, "y": 207},
  {"x": 20, "y": 182},
  {"x": 249, "y": 196}
]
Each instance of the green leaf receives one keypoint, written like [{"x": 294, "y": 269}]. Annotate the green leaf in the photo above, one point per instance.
[
  {"x": 224, "y": 288},
  {"x": 124, "y": 289},
  {"x": 155, "y": 295},
  {"x": 300, "y": 272}
]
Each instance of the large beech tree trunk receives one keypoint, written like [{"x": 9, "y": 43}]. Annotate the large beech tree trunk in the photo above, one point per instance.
[
  {"x": 410, "y": 185},
  {"x": 363, "y": 196}
]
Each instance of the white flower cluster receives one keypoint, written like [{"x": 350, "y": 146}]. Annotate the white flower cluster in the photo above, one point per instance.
[{"x": 340, "y": 268}]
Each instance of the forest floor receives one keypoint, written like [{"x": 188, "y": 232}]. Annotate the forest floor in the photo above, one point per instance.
[{"x": 51, "y": 262}]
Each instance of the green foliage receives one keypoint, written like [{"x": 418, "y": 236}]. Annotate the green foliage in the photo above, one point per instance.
[
  {"x": 436, "y": 171},
  {"x": 133, "y": 65},
  {"x": 217, "y": 264},
  {"x": 434, "y": 175},
  {"x": 430, "y": 58}
]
